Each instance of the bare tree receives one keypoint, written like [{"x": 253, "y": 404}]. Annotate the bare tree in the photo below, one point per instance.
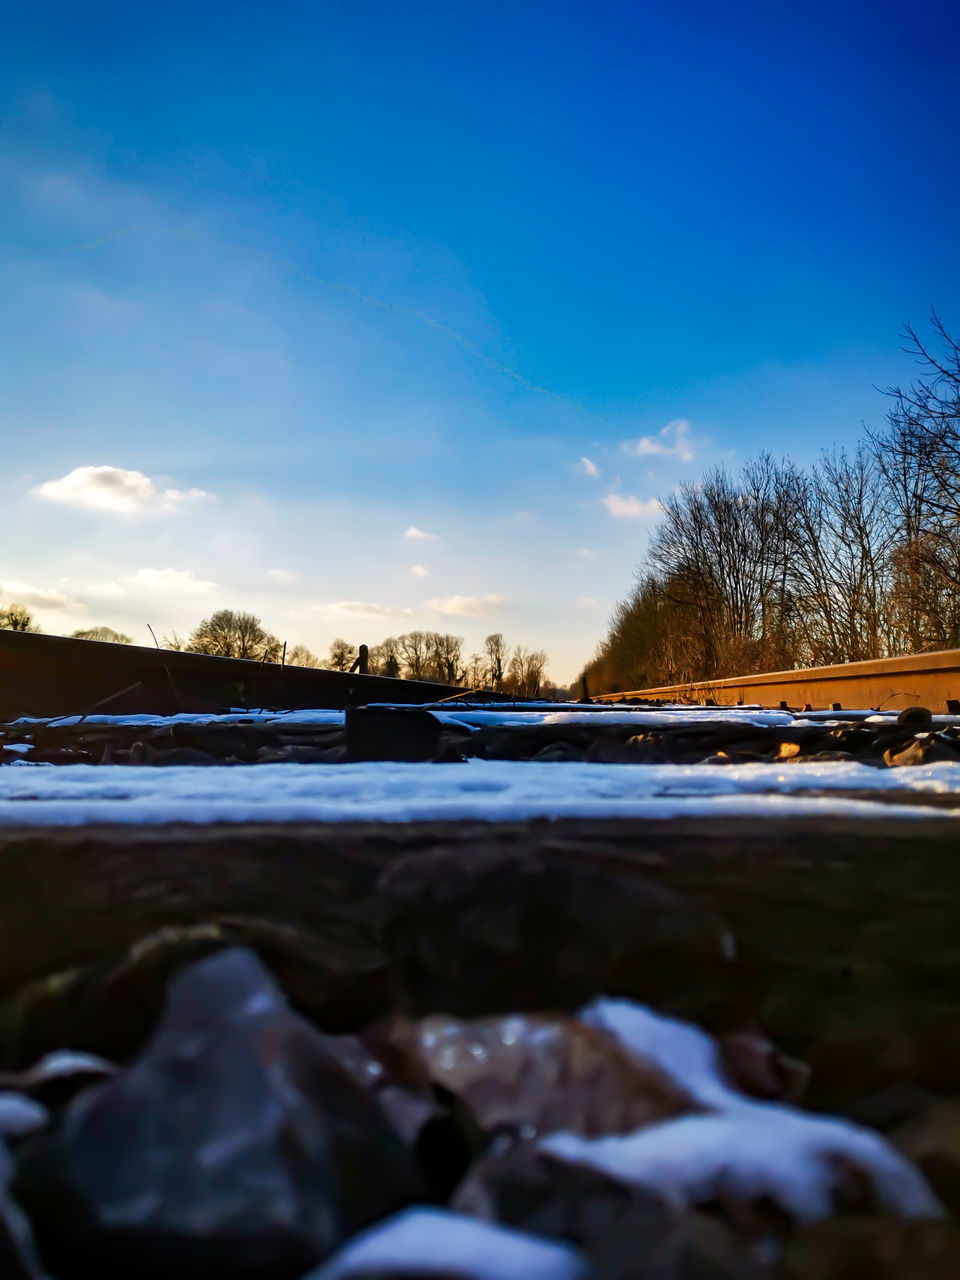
[
  {"x": 840, "y": 540},
  {"x": 231, "y": 634},
  {"x": 16, "y": 617},
  {"x": 496, "y": 651},
  {"x": 720, "y": 551},
  {"x": 385, "y": 658},
  {"x": 919, "y": 456},
  {"x": 475, "y": 672},
  {"x": 446, "y": 652},
  {"x": 301, "y": 656},
  {"x": 342, "y": 655},
  {"x": 414, "y": 651},
  {"x": 534, "y": 667}
]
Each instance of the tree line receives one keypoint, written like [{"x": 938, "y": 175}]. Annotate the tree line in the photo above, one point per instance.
[
  {"x": 416, "y": 655},
  {"x": 776, "y": 567},
  {"x": 17, "y": 617}
]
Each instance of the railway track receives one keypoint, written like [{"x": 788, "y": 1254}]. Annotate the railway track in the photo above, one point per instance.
[
  {"x": 56, "y": 676},
  {"x": 929, "y": 680},
  {"x": 469, "y": 881}
]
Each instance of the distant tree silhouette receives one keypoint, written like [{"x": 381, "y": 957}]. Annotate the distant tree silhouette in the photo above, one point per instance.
[
  {"x": 415, "y": 653},
  {"x": 342, "y": 655},
  {"x": 229, "y": 634},
  {"x": 106, "y": 634},
  {"x": 16, "y": 617},
  {"x": 445, "y": 654},
  {"x": 301, "y": 656},
  {"x": 496, "y": 652},
  {"x": 385, "y": 658}
]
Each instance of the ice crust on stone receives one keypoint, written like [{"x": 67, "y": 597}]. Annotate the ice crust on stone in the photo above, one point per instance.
[
  {"x": 767, "y": 1152},
  {"x": 682, "y": 1051},
  {"x": 743, "y": 1149},
  {"x": 483, "y": 790},
  {"x": 421, "y": 1241},
  {"x": 20, "y": 1115}
]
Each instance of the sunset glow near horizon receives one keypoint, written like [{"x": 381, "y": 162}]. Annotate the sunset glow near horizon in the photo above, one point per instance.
[{"x": 374, "y": 318}]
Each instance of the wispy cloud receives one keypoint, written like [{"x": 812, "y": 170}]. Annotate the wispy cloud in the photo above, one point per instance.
[
  {"x": 14, "y": 591},
  {"x": 672, "y": 441},
  {"x": 588, "y": 602},
  {"x": 283, "y": 576},
  {"x": 414, "y": 532},
  {"x": 419, "y": 570},
  {"x": 360, "y": 609},
  {"x": 588, "y": 467},
  {"x": 184, "y": 580},
  {"x": 466, "y": 606},
  {"x": 115, "y": 490},
  {"x": 584, "y": 553},
  {"x": 630, "y": 508}
]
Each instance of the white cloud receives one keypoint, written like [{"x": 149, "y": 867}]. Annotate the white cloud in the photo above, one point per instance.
[
  {"x": 420, "y": 570},
  {"x": 466, "y": 606},
  {"x": 360, "y": 609},
  {"x": 632, "y": 508},
  {"x": 588, "y": 602},
  {"x": 115, "y": 490},
  {"x": 588, "y": 468},
  {"x": 171, "y": 580},
  {"x": 584, "y": 553},
  {"x": 672, "y": 441},
  {"x": 283, "y": 576},
  {"x": 414, "y": 532},
  {"x": 16, "y": 592}
]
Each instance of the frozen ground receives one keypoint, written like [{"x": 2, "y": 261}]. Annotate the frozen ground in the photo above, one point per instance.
[{"x": 496, "y": 791}]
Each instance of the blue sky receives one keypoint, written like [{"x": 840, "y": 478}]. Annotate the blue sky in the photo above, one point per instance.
[{"x": 300, "y": 279}]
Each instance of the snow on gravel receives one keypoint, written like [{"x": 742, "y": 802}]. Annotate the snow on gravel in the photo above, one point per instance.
[
  {"x": 491, "y": 790},
  {"x": 427, "y": 1241},
  {"x": 472, "y": 717},
  {"x": 745, "y": 1149},
  {"x": 482, "y": 717},
  {"x": 769, "y": 1153}
]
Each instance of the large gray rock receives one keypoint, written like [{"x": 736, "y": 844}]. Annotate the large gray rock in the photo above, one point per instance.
[{"x": 235, "y": 1145}]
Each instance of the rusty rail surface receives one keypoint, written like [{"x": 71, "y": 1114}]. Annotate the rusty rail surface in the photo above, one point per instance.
[
  {"x": 54, "y": 676},
  {"x": 928, "y": 679}
]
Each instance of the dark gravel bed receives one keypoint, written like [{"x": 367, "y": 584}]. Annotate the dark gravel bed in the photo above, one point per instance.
[
  {"x": 299, "y": 1033},
  {"x": 414, "y": 734}
]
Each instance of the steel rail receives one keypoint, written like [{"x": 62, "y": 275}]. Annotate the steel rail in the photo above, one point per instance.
[
  {"x": 53, "y": 675},
  {"x": 931, "y": 680}
]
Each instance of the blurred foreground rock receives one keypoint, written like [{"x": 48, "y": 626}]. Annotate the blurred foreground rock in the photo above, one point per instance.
[
  {"x": 535, "y": 1074},
  {"x": 446, "y": 1042},
  {"x": 236, "y": 1145},
  {"x": 18, "y": 1254}
]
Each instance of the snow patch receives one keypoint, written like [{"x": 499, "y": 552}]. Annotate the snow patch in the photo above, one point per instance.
[
  {"x": 682, "y": 1051},
  {"x": 423, "y": 1241},
  {"x": 746, "y": 1149},
  {"x": 20, "y": 1115},
  {"x": 481, "y": 790}
]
